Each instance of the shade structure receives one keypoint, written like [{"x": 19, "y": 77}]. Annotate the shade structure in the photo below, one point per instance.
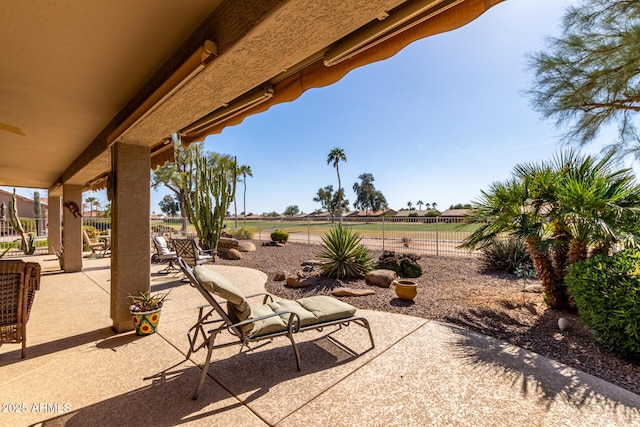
[{"x": 447, "y": 16}]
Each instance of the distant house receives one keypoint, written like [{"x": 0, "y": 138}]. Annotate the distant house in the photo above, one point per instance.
[
  {"x": 369, "y": 214},
  {"x": 24, "y": 205},
  {"x": 404, "y": 213},
  {"x": 325, "y": 214},
  {"x": 455, "y": 214},
  {"x": 100, "y": 214}
]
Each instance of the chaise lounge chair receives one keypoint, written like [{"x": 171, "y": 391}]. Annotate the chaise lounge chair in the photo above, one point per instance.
[
  {"x": 250, "y": 323},
  {"x": 19, "y": 282}
]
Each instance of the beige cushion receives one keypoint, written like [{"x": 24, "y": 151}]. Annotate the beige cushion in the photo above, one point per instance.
[
  {"x": 311, "y": 310},
  {"x": 326, "y": 308},
  {"x": 217, "y": 284}
]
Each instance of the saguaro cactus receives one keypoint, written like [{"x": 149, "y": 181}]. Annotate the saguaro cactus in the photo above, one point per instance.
[
  {"x": 37, "y": 210},
  {"x": 210, "y": 185},
  {"x": 28, "y": 242}
]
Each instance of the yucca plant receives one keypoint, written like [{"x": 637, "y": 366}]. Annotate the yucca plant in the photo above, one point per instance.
[{"x": 343, "y": 255}]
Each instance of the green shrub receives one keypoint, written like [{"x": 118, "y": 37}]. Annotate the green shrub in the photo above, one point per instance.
[
  {"x": 280, "y": 236},
  {"x": 506, "y": 255},
  {"x": 242, "y": 233},
  {"x": 343, "y": 255},
  {"x": 607, "y": 293},
  {"x": 405, "y": 265}
]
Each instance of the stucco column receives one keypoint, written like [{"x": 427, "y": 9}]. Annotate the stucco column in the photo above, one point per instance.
[
  {"x": 130, "y": 222},
  {"x": 54, "y": 230},
  {"x": 72, "y": 223}
]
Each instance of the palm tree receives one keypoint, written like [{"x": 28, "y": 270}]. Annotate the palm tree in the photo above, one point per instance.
[
  {"x": 420, "y": 203},
  {"x": 410, "y": 205},
  {"x": 246, "y": 171},
  {"x": 335, "y": 156},
  {"x": 433, "y": 205},
  {"x": 96, "y": 204},
  {"x": 91, "y": 202},
  {"x": 565, "y": 210}
]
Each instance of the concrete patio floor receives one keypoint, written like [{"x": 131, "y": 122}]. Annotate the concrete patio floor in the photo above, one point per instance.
[{"x": 421, "y": 373}]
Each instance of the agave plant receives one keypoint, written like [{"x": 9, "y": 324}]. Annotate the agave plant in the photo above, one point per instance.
[
  {"x": 343, "y": 255},
  {"x": 146, "y": 301}
]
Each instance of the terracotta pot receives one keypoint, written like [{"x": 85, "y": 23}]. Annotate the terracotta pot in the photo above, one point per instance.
[
  {"x": 406, "y": 289},
  {"x": 146, "y": 322}
]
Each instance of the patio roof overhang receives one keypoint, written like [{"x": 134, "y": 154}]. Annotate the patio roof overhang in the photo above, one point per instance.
[{"x": 78, "y": 77}]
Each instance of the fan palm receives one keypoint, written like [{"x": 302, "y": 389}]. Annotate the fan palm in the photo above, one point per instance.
[
  {"x": 335, "y": 156},
  {"x": 91, "y": 202},
  {"x": 564, "y": 210},
  {"x": 246, "y": 171}
]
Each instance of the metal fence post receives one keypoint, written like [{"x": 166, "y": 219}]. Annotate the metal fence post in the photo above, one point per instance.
[
  {"x": 437, "y": 239},
  {"x": 383, "y": 234},
  {"x": 308, "y": 231}
]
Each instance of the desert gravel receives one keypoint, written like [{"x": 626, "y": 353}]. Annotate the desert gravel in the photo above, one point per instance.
[{"x": 456, "y": 290}]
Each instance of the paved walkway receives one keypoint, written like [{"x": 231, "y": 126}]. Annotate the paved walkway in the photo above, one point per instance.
[{"x": 421, "y": 373}]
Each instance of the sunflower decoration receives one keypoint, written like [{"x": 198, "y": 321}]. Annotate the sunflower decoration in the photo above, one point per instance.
[
  {"x": 145, "y": 329},
  {"x": 146, "y": 311}
]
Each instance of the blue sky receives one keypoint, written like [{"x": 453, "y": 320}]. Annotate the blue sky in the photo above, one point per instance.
[{"x": 437, "y": 122}]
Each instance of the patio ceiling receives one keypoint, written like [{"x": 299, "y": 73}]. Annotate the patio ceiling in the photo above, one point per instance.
[{"x": 76, "y": 77}]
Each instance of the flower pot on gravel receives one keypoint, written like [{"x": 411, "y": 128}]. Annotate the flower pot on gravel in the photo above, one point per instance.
[{"x": 406, "y": 289}]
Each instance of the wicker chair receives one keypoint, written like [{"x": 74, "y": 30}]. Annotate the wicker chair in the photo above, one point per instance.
[{"x": 19, "y": 282}]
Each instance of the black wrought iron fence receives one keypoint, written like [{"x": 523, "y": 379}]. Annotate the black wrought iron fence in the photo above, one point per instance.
[{"x": 422, "y": 235}]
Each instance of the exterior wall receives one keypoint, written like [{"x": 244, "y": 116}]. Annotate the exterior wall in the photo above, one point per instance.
[{"x": 25, "y": 205}]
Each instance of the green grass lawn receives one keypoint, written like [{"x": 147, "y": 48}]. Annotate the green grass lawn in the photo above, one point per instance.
[
  {"x": 40, "y": 243},
  {"x": 369, "y": 229}
]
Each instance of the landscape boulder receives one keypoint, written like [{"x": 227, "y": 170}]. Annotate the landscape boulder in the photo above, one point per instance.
[
  {"x": 226, "y": 243},
  {"x": 381, "y": 278},
  {"x": 245, "y": 246},
  {"x": 350, "y": 292},
  {"x": 312, "y": 263},
  {"x": 280, "y": 276},
  {"x": 234, "y": 254},
  {"x": 300, "y": 281},
  {"x": 535, "y": 289}
]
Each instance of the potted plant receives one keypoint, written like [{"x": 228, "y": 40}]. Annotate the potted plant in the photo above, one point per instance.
[{"x": 146, "y": 311}]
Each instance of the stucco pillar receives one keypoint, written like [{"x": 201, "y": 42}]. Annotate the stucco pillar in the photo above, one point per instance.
[
  {"x": 72, "y": 223},
  {"x": 130, "y": 250},
  {"x": 54, "y": 230}
]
